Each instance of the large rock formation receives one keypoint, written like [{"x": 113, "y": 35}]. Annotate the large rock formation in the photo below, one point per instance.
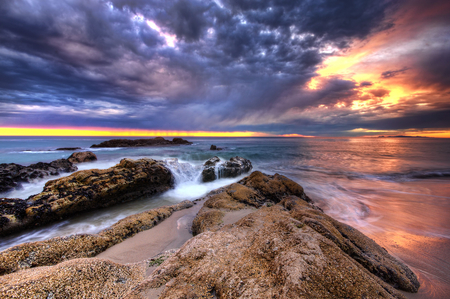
[
  {"x": 157, "y": 141},
  {"x": 12, "y": 175},
  {"x": 288, "y": 248},
  {"x": 81, "y": 157},
  {"x": 59, "y": 249},
  {"x": 285, "y": 247},
  {"x": 213, "y": 169},
  {"x": 85, "y": 190}
]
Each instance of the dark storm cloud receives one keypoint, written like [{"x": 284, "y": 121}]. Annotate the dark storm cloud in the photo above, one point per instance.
[
  {"x": 99, "y": 63},
  {"x": 391, "y": 74}
]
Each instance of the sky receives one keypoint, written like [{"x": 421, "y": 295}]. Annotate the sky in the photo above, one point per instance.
[{"x": 225, "y": 67}]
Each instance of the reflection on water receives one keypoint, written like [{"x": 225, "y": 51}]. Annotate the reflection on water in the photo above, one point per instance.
[{"x": 396, "y": 190}]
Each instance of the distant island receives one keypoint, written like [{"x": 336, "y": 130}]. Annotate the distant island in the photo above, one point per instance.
[
  {"x": 402, "y": 136},
  {"x": 157, "y": 141}
]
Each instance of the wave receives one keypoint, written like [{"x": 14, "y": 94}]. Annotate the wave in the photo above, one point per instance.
[
  {"x": 37, "y": 152},
  {"x": 102, "y": 149}
]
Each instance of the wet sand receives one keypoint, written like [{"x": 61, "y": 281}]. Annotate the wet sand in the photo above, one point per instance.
[
  {"x": 172, "y": 233},
  {"x": 404, "y": 229}
]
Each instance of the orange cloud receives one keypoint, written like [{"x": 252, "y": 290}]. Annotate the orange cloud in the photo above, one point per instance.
[{"x": 4, "y": 131}]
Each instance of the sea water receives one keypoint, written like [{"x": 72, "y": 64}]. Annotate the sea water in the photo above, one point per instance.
[{"x": 395, "y": 190}]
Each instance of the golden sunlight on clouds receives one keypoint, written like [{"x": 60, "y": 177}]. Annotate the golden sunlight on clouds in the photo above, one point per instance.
[
  {"x": 120, "y": 132},
  {"x": 410, "y": 133}
]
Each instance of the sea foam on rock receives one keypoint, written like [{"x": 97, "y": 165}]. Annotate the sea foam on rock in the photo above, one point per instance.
[
  {"x": 85, "y": 190},
  {"x": 213, "y": 168},
  {"x": 12, "y": 175}
]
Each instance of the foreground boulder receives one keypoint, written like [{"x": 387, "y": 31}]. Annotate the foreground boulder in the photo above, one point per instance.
[
  {"x": 85, "y": 190},
  {"x": 12, "y": 175},
  {"x": 59, "y": 249},
  {"x": 157, "y": 141},
  {"x": 80, "y": 278},
  {"x": 81, "y": 157},
  {"x": 213, "y": 168},
  {"x": 288, "y": 248}
]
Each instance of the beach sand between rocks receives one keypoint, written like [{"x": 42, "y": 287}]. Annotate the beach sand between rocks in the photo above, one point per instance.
[{"x": 171, "y": 233}]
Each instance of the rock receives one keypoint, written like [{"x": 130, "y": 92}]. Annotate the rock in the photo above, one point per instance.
[
  {"x": 235, "y": 167},
  {"x": 180, "y": 141},
  {"x": 80, "y": 278},
  {"x": 68, "y": 148},
  {"x": 290, "y": 249},
  {"x": 12, "y": 175},
  {"x": 157, "y": 141},
  {"x": 215, "y": 148},
  {"x": 229, "y": 169},
  {"x": 81, "y": 157},
  {"x": 209, "y": 170},
  {"x": 86, "y": 190},
  {"x": 56, "y": 250}
]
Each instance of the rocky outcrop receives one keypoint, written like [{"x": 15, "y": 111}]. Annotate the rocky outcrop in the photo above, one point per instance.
[
  {"x": 56, "y": 250},
  {"x": 288, "y": 248},
  {"x": 235, "y": 167},
  {"x": 157, "y": 141},
  {"x": 215, "y": 148},
  {"x": 68, "y": 148},
  {"x": 213, "y": 169},
  {"x": 13, "y": 175},
  {"x": 81, "y": 157},
  {"x": 209, "y": 170},
  {"x": 85, "y": 190},
  {"x": 180, "y": 141},
  {"x": 80, "y": 278}
]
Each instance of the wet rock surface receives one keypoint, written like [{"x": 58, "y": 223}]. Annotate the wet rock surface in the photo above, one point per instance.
[
  {"x": 81, "y": 157},
  {"x": 59, "y": 249},
  {"x": 209, "y": 170},
  {"x": 157, "y": 141},
  {"x": 85, "y": 190},
  {"x": 213, "y": 168},
  {"x": 282, "y": 247},
  {"x": 12, "y": 175},
  {"x": 215, "y": 148},
  {"x": 288, "y": 248}
]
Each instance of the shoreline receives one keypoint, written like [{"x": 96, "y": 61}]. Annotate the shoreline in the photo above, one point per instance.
[{"x": 235, "y": 209}]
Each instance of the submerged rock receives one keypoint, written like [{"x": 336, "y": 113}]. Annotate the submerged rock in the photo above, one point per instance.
[
  {"x": 215, "y": 148},
  {"x": 81, "y": 157},
  {"x": 85, "y": 190},
  {"x": 157, "y": 141},
  {"x": 213, "y": 169},
  {"x": 12, "y": 175},
  {"x": 288, "y": 248}
]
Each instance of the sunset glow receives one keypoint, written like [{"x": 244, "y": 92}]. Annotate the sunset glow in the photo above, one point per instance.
[
  {"x": 120, "y": 132},
  {"x": 209, "y": 68}
]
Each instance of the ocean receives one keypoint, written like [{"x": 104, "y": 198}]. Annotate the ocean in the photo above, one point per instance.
[{"x": 395, "y": 190}]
